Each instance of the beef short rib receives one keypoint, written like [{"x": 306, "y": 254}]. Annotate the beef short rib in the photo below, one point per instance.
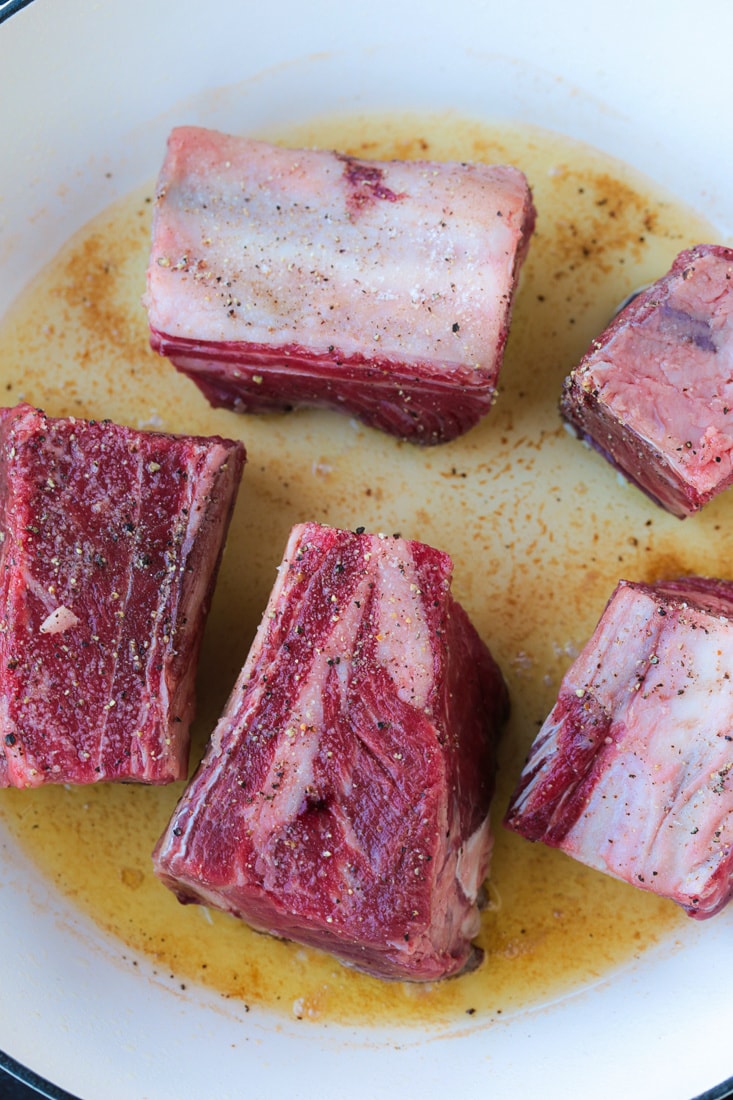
[
  {"x": 283, "y": 277},
  {"x": 111, "y": 540},
  {"x": 654, "y": 394},
  {"x": 343, "y": 801},
  {"x": 632, "y": 773}
]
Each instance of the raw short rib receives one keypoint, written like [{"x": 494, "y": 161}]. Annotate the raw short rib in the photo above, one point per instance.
[
  {"x": 654, "y": 394},
  {"x": 343, "y": 801},
  {"x": 632, "y": 773},
  {"x": 111, "y": 540},
  {"x": 283, "y": 277}
]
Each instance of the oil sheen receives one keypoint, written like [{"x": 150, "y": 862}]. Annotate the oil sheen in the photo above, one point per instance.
[{"x": 540, "y": 530}]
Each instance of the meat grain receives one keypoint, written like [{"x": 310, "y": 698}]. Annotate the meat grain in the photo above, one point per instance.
[
  {"x": 283, "y": 277},
  {"x": 654, "y": 394},
  {"x": 632, "y": 773},
  {"x": 111, "y": 541},
  {"x": 343, "y": 801}
]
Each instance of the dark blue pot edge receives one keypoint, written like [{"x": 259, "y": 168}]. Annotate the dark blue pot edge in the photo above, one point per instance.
[{"x": 33, "y": 1080}]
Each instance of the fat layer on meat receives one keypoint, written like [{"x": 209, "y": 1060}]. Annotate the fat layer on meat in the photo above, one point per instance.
[
  {"x": 343, "y": 800},
  {"x": 111, "y": 541},
  {"x": 654, "y": 394},
  {"x": 283, "y": 277},
  {"x": 632, "y": 773}
]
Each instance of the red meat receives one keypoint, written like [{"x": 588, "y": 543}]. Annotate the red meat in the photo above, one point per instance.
[
  {"x": 631, "y": 772},
  {"x": 283, "y": 277},
  {"x": 654, "y": 394},
  {"x": 344, "y": 798},
  {"x": 111, "y": 540}
]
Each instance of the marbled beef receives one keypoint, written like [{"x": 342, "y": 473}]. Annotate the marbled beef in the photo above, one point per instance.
[
  {"x": 111, "y": 540},
  {"x": 632, "y": 773},
  {"x": 344, "y": 798},
  {"x": 654, "y": 394},
  {"x": 283, "y": 277}
]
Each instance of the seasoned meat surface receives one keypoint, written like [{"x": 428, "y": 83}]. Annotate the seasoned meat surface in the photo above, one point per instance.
[
  {"x": 654, "y": 393},
  {"x": 283, "y": 277},
  {"x": 631, "y": 772},
  {"x": 343, "y": 801},
  {"x": 111, "y": 540}
]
